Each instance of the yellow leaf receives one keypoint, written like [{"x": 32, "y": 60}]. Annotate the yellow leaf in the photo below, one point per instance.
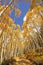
[
  {"x": 17, "y": 12},
  {"x": 8, "y": 11},
  {"x": 12, "y": 6}
]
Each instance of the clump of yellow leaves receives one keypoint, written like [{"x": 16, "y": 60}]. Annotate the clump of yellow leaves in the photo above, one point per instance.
[
  {"x": 8, "y": 11},
  {"x": 32, "y": 28},
  {"x": 17, "y": 12}
]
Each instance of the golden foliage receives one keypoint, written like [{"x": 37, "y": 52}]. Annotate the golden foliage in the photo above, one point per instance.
[
  {"x": 17, "y": 12},
  {"x": 34, "y": 3},
  {"x": 24, "y": 46},
  {"x": 2, "y": 7},
  {"x": 8, "y": 11}
]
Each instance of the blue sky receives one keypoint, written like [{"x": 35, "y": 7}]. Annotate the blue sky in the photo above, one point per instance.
[{"x": 24, "y": 7}]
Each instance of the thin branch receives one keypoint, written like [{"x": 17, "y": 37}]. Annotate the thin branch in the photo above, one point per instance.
[{"x": 6, "y": 7}]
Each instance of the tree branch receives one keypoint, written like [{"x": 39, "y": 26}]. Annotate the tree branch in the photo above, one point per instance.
[{"x": 6, "y": 7}]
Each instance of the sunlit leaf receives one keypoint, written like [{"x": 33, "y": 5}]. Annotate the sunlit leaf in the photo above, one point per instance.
[
  {"x": 12, "y": 6},
  {"x": 2, "y": 7},
  {"x": 33, "y": 4},
  {"x": 17, "y": 12},
  {"x": 8, "y": 11}
]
